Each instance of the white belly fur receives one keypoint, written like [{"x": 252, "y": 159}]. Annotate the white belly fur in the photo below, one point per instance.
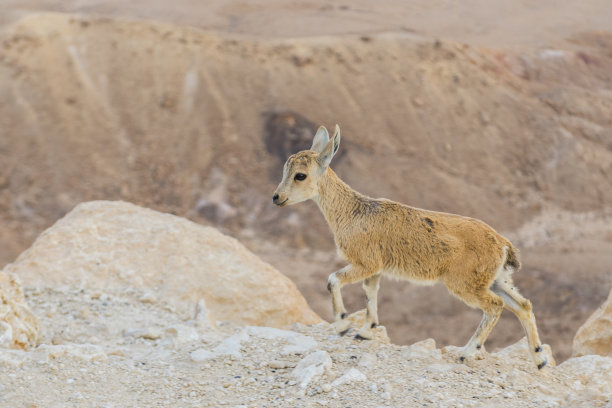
[{"x": 397, "y": 275}]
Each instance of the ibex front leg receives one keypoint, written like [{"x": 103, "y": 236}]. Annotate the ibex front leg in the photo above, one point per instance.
[
  {"x": 370, "y": 287},
  {"x": 346, "y": 275}
]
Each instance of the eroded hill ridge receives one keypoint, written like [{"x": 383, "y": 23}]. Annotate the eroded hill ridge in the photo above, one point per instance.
[
  {"x": 124, "y": 331},
  {"x": 165, "y": 116}
]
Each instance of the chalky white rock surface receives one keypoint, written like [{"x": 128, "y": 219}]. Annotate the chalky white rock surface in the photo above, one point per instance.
[
  {"x": 111, "y": 245},
  {"x": 595, "y": 335}
]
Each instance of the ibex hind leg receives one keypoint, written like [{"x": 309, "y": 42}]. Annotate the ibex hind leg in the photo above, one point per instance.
[
  {"x": 521, "y": 307},
  {"x": 492, "y": 306}
]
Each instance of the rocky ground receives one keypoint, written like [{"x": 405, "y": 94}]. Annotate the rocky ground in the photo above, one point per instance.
[
  {"x": 106, "y": 321},
  {"x": 123, "y": 349}
]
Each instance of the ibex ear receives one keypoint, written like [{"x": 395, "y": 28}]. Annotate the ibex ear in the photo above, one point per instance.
[
  {"x": 330, "y": 149},
  {"x": 320, "y": 140}
]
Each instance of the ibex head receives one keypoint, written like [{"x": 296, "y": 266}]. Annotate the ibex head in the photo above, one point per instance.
[{"x": 303, "y": 170}]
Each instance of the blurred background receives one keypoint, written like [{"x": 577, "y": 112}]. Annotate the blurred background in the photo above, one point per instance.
[{"x": 500, "y": 110}]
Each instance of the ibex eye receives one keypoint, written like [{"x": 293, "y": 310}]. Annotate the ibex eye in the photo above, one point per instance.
[{"x": 300, "y": 177}]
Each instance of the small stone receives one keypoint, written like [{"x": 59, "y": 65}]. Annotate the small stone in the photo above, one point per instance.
[
  {"x": 326, "y": 387},
  {"x": 279, "y": 364},
  {"x": 200, "y": 355},
  {"x": 203, "y": 317},
  {"x": 116, "y": 352},
  {"x": 180, "y": 334},
  {"x": 485, "y": 119},
  {"x": 352, "y": 375},
  {"x": 311, "y": 367},
  {"x": 84, "y": 313},
  {"x": 150, "y": 333},
  {"x": 148, "y": 297},
  {"x": 95, "y": 295}
]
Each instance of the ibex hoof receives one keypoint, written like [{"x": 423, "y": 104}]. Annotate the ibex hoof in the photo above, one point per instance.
[
  {"x": 365, "y": 333},
  {"x": 341, "y": 326},
  {"x": 542, "y": 364}
]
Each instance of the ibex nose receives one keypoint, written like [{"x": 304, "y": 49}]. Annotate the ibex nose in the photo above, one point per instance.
[{"x": 274, "y": 198}]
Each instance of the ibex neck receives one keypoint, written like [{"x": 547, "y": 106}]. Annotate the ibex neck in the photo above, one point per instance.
[{"x": 337, "y": 200}]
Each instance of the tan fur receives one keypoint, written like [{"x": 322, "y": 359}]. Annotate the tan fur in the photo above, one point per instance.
[{"x": 382, "y": 237}]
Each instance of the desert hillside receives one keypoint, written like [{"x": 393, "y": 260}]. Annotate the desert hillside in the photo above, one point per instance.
[{"x": 194, "y": 111}]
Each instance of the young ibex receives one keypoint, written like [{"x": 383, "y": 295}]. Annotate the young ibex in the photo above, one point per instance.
[{"x": 381, "y": 237}]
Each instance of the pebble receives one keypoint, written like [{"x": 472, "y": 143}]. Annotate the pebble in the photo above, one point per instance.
[
  {"x": 84, "y": 313},
  {"x": 150, "y": 333},
  {"x": 351, "y": 376},
  {"x": 279, "y": 364},
  {"x": 148, "y": 297},
  {"x": 312, "y": 367},
  {"x": 95, "y": 295}
]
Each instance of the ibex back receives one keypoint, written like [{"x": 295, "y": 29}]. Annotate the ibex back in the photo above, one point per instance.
[{"x": 381, "y": 237}]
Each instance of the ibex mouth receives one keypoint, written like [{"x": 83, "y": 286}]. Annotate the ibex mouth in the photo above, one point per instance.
[{"x": 282, "y": 204}]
